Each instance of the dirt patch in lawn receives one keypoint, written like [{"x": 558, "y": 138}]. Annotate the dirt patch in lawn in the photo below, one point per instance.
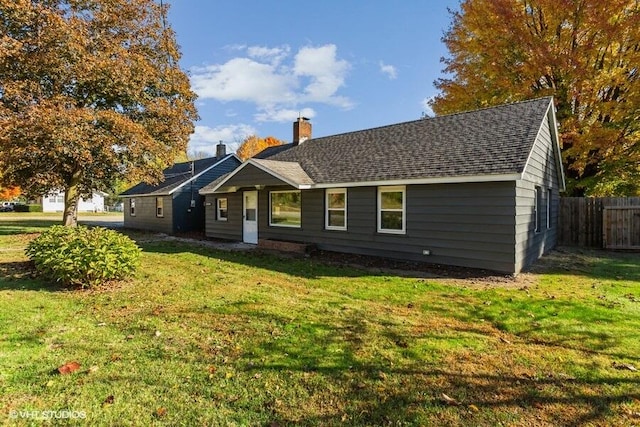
[{"x": 455, "y": 275}]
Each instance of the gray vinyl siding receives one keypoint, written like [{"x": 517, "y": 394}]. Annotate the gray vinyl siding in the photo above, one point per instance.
[
  {"x": 250, "y": 176},
  {"x": 541, "y": 171},
  {"x": 230, "y": 229},
  {"x": 468, "y": 225},
  {"x": 145, "y": 214}
]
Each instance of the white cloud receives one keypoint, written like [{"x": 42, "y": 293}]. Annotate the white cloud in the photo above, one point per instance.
[
  {"x": 204, "y": 139},
  {"x": 276, "y": 83},
  {"x": 426, "y": 108},
  {"x": 273, "y": 55},
  {"x": 326, "y": 72},
  {"x": 284, "y": 115},
  {"x": 243, "y": 79},
  {"x": 389, "y": 70}
]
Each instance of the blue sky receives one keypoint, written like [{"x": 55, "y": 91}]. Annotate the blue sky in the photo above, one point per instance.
[{"x": 347, "y": 65}]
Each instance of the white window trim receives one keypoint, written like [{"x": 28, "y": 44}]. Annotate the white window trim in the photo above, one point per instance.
[
  {"x": 271, "y": 209},
  {"x": 537, "y": 194},
  {"x": 159, "y": 209},
  {"x": 132, "y": 207},
  {"x": 327, "y": 210},
  {"x": 549, "y": 198},
  {"x": 393, "y": 189},
  {"x": 218, "y": 209}
]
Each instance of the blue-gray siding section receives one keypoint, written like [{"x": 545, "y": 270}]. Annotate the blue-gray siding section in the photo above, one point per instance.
[
  {"x": 145, "y": 217},
  {"x": 230, "y": 229},
  {"x": 468, "y": 224},
  {"x": 541, "y": 171},
  {"x": 180, "y": 215},
  {"x": 191, "y": 217}
]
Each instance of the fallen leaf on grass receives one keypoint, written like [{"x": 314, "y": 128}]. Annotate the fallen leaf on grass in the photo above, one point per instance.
[
  {"x": 109, "y": 400},
  {"x": 449, "y": 400},
  {"x": 504, "y": 340},
  {"x": 161, "y": 412},
  {"x": 69, "y": 368},
  {"x": 93, "y": 369},
  {"x": 625, "y": 366},
  {"x": 474, "y": 408}
]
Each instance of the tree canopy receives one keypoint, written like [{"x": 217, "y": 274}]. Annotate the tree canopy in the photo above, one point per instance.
[
  {"x": 585, "y": 53},
  {"x": 253, "y": 144},
  {"x": 90, "y": 92}
]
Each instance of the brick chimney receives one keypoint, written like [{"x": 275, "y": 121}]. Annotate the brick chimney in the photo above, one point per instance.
[
  {"x": 301, "y": 130},
  {"x": 221, "y": 150}
]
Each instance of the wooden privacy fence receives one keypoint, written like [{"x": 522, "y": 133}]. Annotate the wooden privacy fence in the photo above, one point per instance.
[{"x": 602, "y": 222}]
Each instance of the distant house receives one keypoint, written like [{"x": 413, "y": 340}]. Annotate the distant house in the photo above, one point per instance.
[
  {"x": 175, "y": 205},
  {"x": 475, "y": 189},
  {"x": 54, "y": 202}
]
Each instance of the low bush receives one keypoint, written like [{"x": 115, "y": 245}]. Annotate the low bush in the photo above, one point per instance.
[
  {"x": 83, "y": 256},
  {"x": 27, "y": 208}
]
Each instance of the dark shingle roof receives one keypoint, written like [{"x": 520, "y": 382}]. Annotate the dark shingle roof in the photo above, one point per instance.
[
  {"x": 491, "y": 141},
  {"x": 271, "y": 151},
  {"x": 174, "y": 176}
]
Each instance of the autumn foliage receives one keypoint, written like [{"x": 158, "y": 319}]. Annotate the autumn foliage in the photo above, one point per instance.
[
  {"x": 253, "y": 144},
  {"x": 90, "y": 92},
  {"x": 583, "y": 52},
  {"x": 9, "y": 193}
]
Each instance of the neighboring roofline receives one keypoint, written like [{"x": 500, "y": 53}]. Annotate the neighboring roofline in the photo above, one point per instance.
[
  {"x": 550, "y": 114},
  {"x": 169, "y": 193}
]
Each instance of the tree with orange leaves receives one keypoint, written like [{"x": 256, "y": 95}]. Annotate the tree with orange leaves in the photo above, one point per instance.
[
  {"x": 9, "y": 193},
  {"x": 583, "y": 52},
  {"x": 253, "y": 144},
  {"x": 90, "y": 92}
]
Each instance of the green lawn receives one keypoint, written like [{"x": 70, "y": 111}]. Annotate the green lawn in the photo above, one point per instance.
[{"x": 205, "y": 337}]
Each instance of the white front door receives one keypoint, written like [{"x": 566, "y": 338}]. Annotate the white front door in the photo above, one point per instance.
[{"x": 250, "y": 217}]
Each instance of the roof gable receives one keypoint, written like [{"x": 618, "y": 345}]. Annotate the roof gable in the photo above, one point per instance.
[{"x": 177, "y": 176}]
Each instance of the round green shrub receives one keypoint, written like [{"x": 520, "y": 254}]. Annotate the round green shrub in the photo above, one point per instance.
[{"x": 83, "y": 256}]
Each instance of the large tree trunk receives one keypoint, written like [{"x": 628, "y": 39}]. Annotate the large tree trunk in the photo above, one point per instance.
[{"x": 71, "y": 198}]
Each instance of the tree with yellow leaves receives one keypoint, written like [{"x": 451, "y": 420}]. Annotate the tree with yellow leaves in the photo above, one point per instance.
[
  {"x": 586, "y": 53},
  {"x": 90, "y": 92}
]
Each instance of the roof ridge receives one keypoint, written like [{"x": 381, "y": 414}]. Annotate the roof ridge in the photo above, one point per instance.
[{"x": 435, "y": 117}]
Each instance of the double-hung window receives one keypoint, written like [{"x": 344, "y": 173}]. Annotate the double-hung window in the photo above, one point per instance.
[
  {"x": 549, "y": 199},
  {"x": 222, "y": 212},
  {"x": 336, "y": 209},
  {"x": 159, "y": 207},
  {"x": 392, "y": 209},
  {"x": 537, "y": 208},
  {"x": 132, "y": 207}
]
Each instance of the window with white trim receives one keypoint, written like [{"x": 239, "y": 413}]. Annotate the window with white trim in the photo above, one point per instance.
[
  {"x": 549, "y": 199},
  {"x": 336, "y": 209},
  {"x": 222, "y": 213},
  {"x": 285, "y": 208},
  {"x": 159, "y": 207},
  {"x": 537, "y": 208},
  {"x": 392, "y": 209},
  {"x": 132, "y": 207}
]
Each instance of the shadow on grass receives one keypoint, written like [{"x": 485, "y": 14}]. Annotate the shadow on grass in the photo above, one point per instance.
[
  {"x": 20, "y": 275},
  {"x": 22, "y": 226},
  {"x": 598, "y": 264},
  {"x": 377, "y": 392},
  {"x": 321, "y": 263}
]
